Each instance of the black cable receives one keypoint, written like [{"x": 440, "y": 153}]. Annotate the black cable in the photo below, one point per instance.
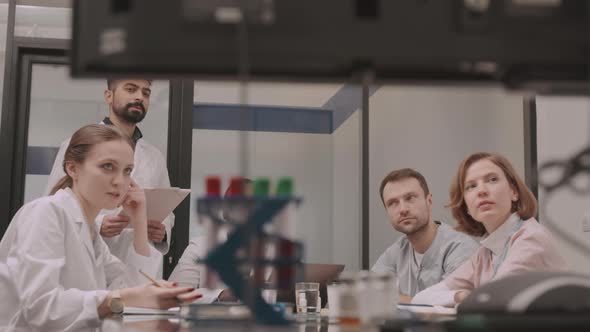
[{"x": 569, "y": 169}]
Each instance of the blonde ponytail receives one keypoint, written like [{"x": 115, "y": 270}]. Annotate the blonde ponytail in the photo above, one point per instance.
[{"x": 65, "y": 182}]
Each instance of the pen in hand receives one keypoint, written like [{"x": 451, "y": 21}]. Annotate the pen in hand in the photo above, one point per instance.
[
  {"x": 161, "y": 285},
  {"x": 154, "y": 281}
]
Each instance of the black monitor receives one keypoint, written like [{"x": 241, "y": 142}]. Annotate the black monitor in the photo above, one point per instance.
[{"x": 520, "y": 43}]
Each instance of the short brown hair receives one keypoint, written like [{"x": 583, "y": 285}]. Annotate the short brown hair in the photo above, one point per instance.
[
  {"x": 526, "y": 206},
  {"x": 401, "y": 174}
]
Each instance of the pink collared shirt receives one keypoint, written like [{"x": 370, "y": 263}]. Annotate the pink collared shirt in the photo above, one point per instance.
[{"x": 529, "y": 247}]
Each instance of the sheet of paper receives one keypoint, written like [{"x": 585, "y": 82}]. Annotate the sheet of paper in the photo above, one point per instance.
[
  {"x": 147, "y": 311},
  {"x": 160, "y": 202},
  {"x": 427, "y": 309}
]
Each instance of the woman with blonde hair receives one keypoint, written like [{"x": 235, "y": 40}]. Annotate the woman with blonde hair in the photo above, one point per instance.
[
  {"x": 60, "y": 275},
  {"x": 489, "y": 200}
]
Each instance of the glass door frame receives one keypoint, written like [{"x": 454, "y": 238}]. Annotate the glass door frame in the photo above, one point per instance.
[
  {"x": 15, "y": 118},
  {"x": 15, "y": 126}
]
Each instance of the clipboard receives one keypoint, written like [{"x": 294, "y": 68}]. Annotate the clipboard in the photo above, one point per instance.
[{"x": 160, "y": 202}]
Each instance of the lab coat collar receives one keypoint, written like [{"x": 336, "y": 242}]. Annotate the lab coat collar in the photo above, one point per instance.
[
  {"x": 77, "y": 214},
  {"x": 496, "y": 241},
  {"x": 136, "y": 133},
  {"x": 68, "y": 195}
]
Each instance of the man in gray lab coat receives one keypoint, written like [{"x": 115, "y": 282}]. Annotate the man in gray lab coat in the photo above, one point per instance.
[{"x": 430, "y": 250}]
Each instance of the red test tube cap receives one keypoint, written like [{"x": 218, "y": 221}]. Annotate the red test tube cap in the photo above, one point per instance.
[
  {"x": 213, "y": 186},
  {"x": 236, "y": 187}
]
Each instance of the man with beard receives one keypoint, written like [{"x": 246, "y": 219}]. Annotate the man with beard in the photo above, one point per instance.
[
  {"x": 430, "y": 250},
  {"x": 128, "y": 101}
]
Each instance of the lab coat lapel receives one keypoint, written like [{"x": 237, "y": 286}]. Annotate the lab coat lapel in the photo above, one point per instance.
[
  {"x": 83, "y": 228},
  {"x": 86, "y": 238}
]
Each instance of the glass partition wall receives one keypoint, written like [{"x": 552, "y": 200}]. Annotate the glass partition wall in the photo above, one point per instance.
[
  {"x": 307, "y": 131},
  {"x": 432, "y": 129},
  {"x": 312, "y": 132}
]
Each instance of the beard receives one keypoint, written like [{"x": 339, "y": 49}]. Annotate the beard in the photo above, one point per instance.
[
  {"x": 419, "y": 224},
  {"x": 129, "y": 115}
]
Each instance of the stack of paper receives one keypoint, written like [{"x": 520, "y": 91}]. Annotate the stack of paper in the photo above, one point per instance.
[
  {"x": 160, "y": 202},
  {"x": 427, "y": 309},
  {"x": 215, "y": 311},
  {"x": 147, "y": 311}
]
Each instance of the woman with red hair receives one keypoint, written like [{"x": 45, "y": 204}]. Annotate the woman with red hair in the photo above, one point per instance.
[{"x": 489, "y": 200}]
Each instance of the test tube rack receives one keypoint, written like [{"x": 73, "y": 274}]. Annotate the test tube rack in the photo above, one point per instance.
[{"x": 227, "y": 263}]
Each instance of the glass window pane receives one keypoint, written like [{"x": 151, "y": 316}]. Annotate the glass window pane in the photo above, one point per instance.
[
  {"x": 43, "y": 19},
  {"x": 432, "y": 129},
  {"x": 299, "y": 131},
  {"x": 60, "y": 105},
  {"x": 563, "y": 138}
]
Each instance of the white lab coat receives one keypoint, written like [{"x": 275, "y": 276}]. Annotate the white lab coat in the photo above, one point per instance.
[
  {"x": 190, "y": 274},
  {"x": 59, "y": 273},
  {"x": 9, "y": 296},
  {"x": 149, "y": 171}
]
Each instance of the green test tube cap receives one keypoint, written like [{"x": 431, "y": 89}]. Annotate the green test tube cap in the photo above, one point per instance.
[
  {"x": 285, "y": 186},
  {"x": 261, "y": 187}
]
